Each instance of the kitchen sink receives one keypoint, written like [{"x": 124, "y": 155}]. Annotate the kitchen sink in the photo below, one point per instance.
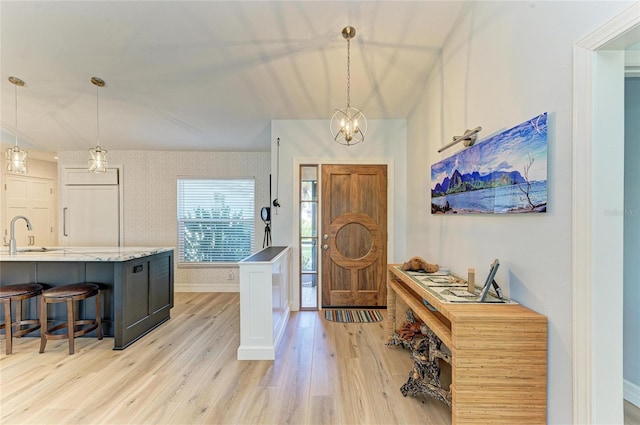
[{"x": 38, "y": 250}]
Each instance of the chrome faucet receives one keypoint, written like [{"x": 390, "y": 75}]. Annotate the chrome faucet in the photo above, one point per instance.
[{"x": 12, "y": 242}]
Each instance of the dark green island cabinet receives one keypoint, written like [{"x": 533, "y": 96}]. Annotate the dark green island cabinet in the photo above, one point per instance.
[{"x": 136, "y": 285}]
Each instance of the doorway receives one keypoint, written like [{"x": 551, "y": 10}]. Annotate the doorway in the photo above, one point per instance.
[
  {"x": 631, "y": 243},
  {"x": 597, "y": 235},
  {"x": 318, "y": 163}
]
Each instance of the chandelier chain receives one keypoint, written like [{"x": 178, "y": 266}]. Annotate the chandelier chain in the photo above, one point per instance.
[
  {"x": 348, "y": 125},
  {"x": 348, "y": 73}
]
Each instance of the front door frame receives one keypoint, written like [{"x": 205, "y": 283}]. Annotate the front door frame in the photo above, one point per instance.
[
  {"x": 597, "y": 247},
  {"x": 297, "y": 162}
]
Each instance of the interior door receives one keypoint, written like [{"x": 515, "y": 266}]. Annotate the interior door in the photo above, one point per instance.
[
  {"x": 354, "y": 235},
  {"x": 33, "y": 198}
]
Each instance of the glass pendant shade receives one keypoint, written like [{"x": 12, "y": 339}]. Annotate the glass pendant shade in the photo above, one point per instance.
[
  {"x": 348, "y": 125},
  {"x": 16, "y": 160},
  {"x": 97, "y": 160},
  {"x": 97, "y": 155},
  {"x": 16, "y": 157}
]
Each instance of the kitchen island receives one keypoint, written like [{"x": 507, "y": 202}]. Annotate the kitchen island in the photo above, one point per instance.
[{"x": 136, "y": 284}]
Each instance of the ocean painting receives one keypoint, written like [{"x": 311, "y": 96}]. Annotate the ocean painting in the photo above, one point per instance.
[{"x": 506, "y": 173}]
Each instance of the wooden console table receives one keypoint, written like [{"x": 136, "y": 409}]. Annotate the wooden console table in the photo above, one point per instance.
[{"x": 498, "y": 351}]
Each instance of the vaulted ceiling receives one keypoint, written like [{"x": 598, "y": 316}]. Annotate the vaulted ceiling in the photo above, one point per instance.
[{"x": 206, "y": 75}]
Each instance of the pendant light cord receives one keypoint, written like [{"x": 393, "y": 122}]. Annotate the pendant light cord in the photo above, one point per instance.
[
  {"x": 98, "y": 113},
  {"x": 278, "y": 170},
  {"x": 16, "y": 94},
  {"x": 276, "y": 203}
]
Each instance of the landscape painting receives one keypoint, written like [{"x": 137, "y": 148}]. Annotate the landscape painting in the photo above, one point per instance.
[{"x": 506, "y": 173}]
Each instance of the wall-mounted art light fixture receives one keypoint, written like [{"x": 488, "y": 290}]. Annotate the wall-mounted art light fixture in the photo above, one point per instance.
[
  {"x": 348, "y": 125},
  {"x": 97, "y": 155},
  {"x": 469, "y": 138},
  {"x": 16, "y": 157}
]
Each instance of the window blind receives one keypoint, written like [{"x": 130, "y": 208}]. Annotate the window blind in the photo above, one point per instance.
[{"x": 215, "y": 220}]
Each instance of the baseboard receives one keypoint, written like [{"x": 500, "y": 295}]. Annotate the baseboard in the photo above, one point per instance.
[
  {"x": 224, "y": 287},
  {"x": 256, "y": 353},
  {"x": 631, "y": 393}
]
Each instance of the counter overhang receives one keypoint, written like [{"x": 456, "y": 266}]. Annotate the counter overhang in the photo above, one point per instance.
[{"x": 87, "y": 254}]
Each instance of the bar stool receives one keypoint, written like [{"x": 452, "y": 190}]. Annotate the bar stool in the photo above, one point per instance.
[
  {"x": 17, "y": 293},
  {"x": 69, "y": 294}
]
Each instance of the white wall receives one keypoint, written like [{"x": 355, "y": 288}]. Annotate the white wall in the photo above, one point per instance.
[
  {"x": 149, "y": 179},
  {"x": 504, "y": 63},
  {"x": 632, "y": 239},
  {"x": 310, "y": 142}
]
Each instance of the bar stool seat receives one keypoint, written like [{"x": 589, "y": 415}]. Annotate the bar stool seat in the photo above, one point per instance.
[
  {"x": 69, "y": 294},
  {"x": 17, "y": 293}
]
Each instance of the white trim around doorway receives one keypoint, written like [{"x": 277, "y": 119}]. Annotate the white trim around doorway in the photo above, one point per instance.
[
  {"x": 588, "y": 239},
  {"x": 297, "y": 162}
]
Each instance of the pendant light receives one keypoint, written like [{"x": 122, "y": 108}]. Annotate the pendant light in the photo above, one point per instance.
[
  {"x": 348, "y": 125},
  {"x": 16, "y": 157},
  {"x": 97, "y": 155}
]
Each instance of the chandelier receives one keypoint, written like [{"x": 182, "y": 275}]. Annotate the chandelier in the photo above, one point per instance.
[
  {"x": 97, "y": 155},
  {"x": 348, "y": 125},
  {"x": 16, "y": 157}
]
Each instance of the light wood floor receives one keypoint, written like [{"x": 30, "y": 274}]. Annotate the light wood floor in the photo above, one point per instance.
[
  {"x": 186, "y": 372},
  {"x": 631, "y": 414}
]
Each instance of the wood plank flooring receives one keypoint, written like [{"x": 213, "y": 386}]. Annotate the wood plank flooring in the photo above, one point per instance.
[
  {"x": 186, "y": 372},
  {"x": 631, "y": 414}
]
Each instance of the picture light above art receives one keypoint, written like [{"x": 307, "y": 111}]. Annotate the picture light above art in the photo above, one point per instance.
[
  {"x": 505, "y": 173},
  {"x": 469, "y": 138}
]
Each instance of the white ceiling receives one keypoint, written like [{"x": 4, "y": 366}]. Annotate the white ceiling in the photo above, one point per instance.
[{"x": 206, "y": 75}]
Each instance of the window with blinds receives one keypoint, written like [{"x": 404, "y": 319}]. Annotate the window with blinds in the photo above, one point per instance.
[{"x": 215, "y": 220}]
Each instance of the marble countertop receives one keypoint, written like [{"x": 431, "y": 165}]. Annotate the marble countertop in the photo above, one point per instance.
[{"x": 58, "y": 253}]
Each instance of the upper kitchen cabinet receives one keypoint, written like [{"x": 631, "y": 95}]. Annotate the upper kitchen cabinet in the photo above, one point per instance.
[
  {"x": 33, "y": 198},
  {"x": 91, "y": 208}
]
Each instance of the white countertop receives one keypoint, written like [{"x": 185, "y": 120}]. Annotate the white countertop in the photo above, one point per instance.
[{"x": 57, "y": 253}]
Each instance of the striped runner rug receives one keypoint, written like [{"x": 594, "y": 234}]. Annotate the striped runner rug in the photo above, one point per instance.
[{"x": 352, "y": 316}]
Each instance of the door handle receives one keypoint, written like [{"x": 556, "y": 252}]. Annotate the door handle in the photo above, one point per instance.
[
  {"x": 64, "y": 221},
  {"x": 325, "y": 237},
  {"x": 325, "y": 246}
]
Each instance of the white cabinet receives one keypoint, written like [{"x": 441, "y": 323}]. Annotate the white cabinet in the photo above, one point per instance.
[
  {"x": 91, "y": 208},
  {"x": 33, "y": 198}
]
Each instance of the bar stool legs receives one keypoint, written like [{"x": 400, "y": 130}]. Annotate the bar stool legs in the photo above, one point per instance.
[
  {"x": 10, "y": 294},
  {"x": 69, "y": 294}
]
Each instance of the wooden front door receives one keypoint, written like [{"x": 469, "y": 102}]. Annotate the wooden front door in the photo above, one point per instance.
[{"x": 354, "y": 235}]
